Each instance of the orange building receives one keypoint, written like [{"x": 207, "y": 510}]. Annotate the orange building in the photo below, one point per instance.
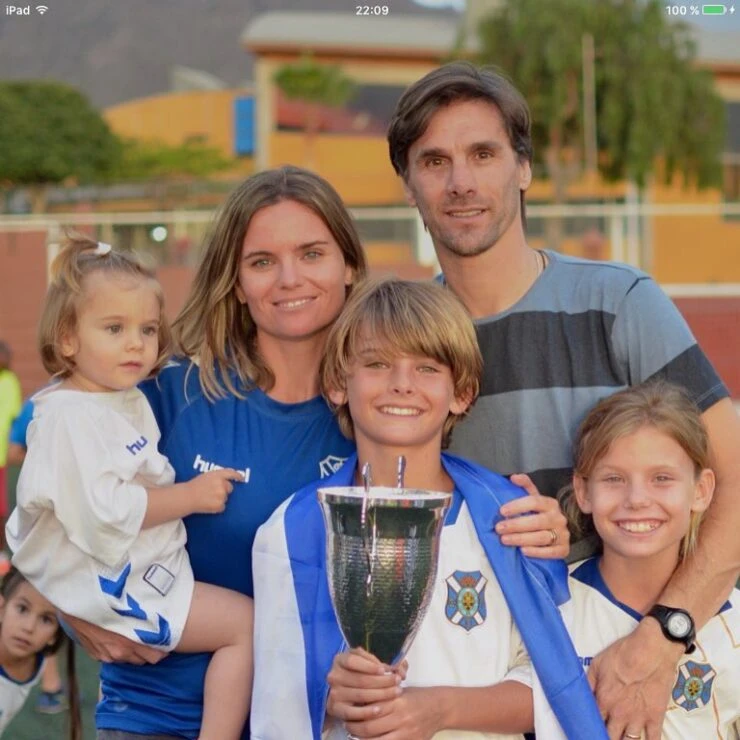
[{"x": 383, "y": 54}]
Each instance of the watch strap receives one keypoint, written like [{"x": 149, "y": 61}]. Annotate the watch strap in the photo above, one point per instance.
[{"x": 662, "y": 613}]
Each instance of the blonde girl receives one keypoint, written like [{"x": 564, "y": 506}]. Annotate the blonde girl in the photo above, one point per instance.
[
  {"x": 641, "y": 483},
  {"x": 98, "y": 527}
]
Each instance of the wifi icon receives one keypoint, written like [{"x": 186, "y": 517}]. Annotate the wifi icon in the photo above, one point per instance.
[{"x": 41, "y": 9}]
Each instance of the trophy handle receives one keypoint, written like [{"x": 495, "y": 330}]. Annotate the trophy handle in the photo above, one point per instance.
[{"x": 370, "y": 548}]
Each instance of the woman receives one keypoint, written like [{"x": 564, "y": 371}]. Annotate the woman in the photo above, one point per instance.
[{"x": 278, "y": 263}]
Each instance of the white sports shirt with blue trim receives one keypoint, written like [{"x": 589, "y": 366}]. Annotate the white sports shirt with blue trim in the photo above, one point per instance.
[
  {"x": 13, "y": 694},
  {"x": 467, "y": 638},
  {"x": 705, "y": 701},
  {"x": 76, "y": 531}
]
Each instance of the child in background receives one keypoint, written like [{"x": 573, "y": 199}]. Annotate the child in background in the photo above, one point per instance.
[
  {"x": 641, "y": 481},
  {"x": 29, "y": 631},
  {"x": 51, "y": 699},
  {"x": 401, "y": 366},
  {"x": 97, "y": 528}
]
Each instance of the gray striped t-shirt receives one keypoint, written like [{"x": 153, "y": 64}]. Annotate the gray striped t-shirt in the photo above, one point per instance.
[{"x": 584, "y": 330}]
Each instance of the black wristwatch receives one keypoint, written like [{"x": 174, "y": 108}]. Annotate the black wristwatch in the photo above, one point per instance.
[{"x": 677, "y": 624}]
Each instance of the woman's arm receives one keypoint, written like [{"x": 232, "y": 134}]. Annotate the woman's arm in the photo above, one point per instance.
[{"x": 110, "y": 647}]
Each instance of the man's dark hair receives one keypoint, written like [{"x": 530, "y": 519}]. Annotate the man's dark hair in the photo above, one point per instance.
[{"x": 452, "y": 83}]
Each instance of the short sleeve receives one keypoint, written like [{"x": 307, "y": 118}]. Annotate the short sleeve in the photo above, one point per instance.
[
  {"x": 652, "y": 339},
  {"x": 89, "y": 483}
]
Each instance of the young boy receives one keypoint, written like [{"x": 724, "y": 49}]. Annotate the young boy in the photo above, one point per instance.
[{"x": 402, "y": 365}]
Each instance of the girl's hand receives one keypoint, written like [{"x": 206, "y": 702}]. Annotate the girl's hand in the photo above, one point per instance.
[
  {"x": 359, "y": 683},
  {"x": 110, "y": 647},
  {"x": 209, "y": 491},
  {"x": 543, "y": 533}
]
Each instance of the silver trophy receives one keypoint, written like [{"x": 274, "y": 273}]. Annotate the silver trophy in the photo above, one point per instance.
[{"x": 382, "y": 547}]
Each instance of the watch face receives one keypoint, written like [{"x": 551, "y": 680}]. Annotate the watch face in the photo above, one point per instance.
[{"x": 679, "y": 624}]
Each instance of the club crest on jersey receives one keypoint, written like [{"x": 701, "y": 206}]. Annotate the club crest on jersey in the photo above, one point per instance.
[
  {"x": 466, "y": 599},
  {"x": 693, "y": 687},
  {"x": 330, "y": 464}
]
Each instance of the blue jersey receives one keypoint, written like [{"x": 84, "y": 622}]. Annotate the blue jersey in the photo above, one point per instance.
[{"x": 279, "y": 448}]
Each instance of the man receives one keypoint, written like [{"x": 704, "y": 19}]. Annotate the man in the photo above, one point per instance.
[{"x": 557, "y": 334}]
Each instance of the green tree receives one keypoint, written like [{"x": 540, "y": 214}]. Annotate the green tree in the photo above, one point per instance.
[
  {"x": 153, "y": 160},
  {"x": 317, "y": 85},
  {"x": 656, "y": 113},
  {"x": 49, "y": 133}
]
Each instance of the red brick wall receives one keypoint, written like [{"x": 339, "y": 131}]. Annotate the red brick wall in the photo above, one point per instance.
[
  {"x": 716, "y": 325},
  {"x": 22, "y": 288}
]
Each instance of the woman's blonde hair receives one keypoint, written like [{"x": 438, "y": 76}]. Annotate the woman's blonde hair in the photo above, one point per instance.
[
  {"x": 79, "y": 258},
  {"x": 214, "y": 326},
  {"x": 406, "y": 318},
  {"x": 658, "y": 404}
]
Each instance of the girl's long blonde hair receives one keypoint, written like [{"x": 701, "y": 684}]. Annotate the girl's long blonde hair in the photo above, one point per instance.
[
  {"x": 214, "y": 326},
  {"x": 658, "y": 404}
]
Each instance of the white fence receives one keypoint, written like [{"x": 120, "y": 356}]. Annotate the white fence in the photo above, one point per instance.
[{"x": 625, "y": 229}]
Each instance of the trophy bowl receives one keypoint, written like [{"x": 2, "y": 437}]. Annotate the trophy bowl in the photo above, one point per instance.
[{"x": 382, "y": 547}]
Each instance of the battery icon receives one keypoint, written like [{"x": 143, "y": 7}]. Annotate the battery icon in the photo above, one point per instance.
[{"x": 713, "y": 9}]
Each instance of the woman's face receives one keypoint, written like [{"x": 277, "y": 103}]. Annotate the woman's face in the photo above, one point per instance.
[{"x": 292, "y": 274}]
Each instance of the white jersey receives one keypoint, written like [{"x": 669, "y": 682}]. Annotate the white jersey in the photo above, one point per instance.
[
  {"x": 706, "y": 695},
  {"x": 467, "y": 638},
  {"x": 76, "y": 531},
  {"x": 13, "y": 694}
]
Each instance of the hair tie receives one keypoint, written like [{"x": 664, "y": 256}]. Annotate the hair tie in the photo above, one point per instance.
[{"x": 102, "y": 249}]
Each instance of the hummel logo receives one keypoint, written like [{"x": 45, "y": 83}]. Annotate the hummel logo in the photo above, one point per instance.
[
  {"x": 204, "y": 466},
  {"x": 138, "y": 445},
  {"x": 330, "y": 464}
]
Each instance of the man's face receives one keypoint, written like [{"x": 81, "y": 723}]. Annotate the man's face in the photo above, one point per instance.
[{"x": 465, "y": 178}]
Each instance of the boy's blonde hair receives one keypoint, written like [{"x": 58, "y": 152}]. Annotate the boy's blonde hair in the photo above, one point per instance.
[
  {"x": 658, "y": 404},
  {"x": 407, "y": 318},
  {"x": 79, "y": 258}
]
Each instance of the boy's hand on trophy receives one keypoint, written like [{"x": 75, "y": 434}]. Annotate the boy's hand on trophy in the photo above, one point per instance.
[
  {"x": 416, "y": 714},
  {"x": 360, "y": 685},
  {"x": 534, "y": 522}
]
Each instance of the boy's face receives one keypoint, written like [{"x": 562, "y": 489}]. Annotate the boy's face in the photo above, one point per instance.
[{"x": 398, "y": 400}]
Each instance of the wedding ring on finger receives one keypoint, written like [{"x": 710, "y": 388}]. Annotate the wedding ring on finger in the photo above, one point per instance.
[
  {"x": 553, "y": 538},
  {"x": 630, "y": 736}
]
